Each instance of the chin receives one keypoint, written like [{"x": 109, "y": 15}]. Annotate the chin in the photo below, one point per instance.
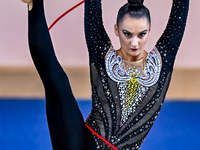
[{"x": 134, "y": 54}]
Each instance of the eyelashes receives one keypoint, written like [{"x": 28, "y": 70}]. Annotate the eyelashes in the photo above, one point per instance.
[
  {"x": 142, "y": 34},
  {"x": 128, "y": 34}
]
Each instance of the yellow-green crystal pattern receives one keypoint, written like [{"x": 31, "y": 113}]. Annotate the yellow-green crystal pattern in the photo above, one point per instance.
[{"x": 131, "y": 94}]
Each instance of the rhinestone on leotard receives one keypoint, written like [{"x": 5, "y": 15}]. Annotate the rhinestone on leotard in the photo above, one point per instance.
[{"x": 132, "y": 82}]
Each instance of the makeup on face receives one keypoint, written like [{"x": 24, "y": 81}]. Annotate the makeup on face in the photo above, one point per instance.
[
  {"x": 133, "y": 34},
  {"x": 129, "y": 34}
]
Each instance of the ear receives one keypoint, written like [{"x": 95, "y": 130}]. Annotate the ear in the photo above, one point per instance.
[
  {"x": 149, "y": 31},
  {"x": 116, "y": 30}
]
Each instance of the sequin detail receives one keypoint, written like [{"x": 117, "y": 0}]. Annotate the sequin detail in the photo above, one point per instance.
[
  {"x": 132, "y": 83},
  {"x": 131, "y": 94},
  {"x": 115, "y": 68},
  {"x": 106, "y": 117}
]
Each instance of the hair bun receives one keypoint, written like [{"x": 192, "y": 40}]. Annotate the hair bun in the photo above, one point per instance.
[{"x": 136, "y": 2}]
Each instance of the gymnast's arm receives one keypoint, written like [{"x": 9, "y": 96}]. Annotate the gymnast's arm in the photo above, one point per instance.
[
  {"x": 170, "y": 40},
  {"x": 97, "y": 39}
]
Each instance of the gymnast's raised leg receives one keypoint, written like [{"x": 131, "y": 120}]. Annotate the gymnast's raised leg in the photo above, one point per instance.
[{"x": 66, "y": 124}]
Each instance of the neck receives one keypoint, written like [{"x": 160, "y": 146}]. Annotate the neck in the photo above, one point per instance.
[{"x": 130, "y": 58}]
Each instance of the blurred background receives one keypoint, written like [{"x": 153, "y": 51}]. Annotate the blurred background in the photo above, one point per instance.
[{"x": 22, "y": 106}]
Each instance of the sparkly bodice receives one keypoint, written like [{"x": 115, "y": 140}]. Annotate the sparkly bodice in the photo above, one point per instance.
[
  {"x": 132, "y": 82},
  {"x": 121, "y": 71},
  {"x": 126, "y": 102}
]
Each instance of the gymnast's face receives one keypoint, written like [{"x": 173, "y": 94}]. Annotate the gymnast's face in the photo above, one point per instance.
[{"x": 133, "y": 34}]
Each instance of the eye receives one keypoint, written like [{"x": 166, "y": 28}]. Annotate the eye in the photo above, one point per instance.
[
  {"x": 127, "y": 34},
  {"x": 142, "y": 34}
]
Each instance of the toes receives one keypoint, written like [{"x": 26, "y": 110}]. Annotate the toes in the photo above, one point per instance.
[{"x": 26, "y": 1}]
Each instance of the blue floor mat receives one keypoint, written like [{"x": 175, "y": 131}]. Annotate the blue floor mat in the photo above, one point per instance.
[{"x": 23, "y": 126}]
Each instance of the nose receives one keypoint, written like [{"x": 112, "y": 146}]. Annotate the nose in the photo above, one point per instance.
[{"x": 134, "y": 42}]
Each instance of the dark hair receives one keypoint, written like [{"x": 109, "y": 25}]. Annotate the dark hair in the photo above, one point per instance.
[{"x": 135, "y": 9}]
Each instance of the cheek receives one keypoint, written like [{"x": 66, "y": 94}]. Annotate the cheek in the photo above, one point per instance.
[
  {"x": 123, "y": 40},
  {"x": 143, "y": 41},
  {"x": 126, "y": 43}
]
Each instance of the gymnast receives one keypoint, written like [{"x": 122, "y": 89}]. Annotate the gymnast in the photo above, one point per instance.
[{"x": 128, "y": 85}]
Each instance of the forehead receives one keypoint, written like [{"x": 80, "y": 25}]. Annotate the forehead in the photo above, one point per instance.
[{"x": 133, "y": 24}]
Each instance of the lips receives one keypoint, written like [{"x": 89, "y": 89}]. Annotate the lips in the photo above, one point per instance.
[{"x": 134, "y": 49}]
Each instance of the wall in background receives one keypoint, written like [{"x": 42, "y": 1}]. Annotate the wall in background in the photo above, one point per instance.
[{"x": 68, "y": 35}]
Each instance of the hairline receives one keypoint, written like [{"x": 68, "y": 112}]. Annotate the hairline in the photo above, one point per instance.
[{"x": 133, "y": 17}]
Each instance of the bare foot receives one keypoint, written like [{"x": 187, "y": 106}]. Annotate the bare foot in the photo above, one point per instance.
[
  {"x": 26, "y": 1},
  {"x": 30, "y": 4}
]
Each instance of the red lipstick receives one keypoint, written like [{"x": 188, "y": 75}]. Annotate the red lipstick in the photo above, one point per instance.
[{"x": 134, "y": 49}]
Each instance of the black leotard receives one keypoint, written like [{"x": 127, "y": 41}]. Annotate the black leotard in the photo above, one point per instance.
[
  {"x": 66, "y": 124},
  {"x": 111, "y": 116}
]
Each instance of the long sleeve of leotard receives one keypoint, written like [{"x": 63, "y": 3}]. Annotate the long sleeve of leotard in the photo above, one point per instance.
[
  {"x": 97, "y": 39},
  {"x": 170, "y": 40}
]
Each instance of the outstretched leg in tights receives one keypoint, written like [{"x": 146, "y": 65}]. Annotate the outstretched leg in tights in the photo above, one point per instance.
[{"x": 66, "y": 124}]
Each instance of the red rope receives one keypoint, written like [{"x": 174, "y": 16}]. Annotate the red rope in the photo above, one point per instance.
[
  {"x": 65, "y": 14},
  {"x": 104, "y": 140}
]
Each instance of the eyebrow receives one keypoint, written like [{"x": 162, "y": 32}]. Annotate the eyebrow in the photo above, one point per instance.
[{"x": 132, "y": 33}]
